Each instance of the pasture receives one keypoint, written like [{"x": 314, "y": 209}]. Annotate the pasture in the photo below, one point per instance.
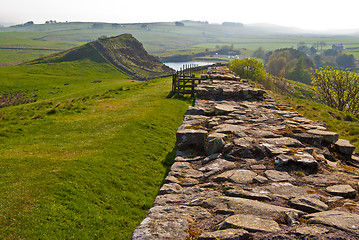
[
  {"x": 159, "y": 39},
  {"x": 87, "y": 159}
]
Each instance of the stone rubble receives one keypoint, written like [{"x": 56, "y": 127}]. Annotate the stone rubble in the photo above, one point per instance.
[{"x": 248, "y": 168}]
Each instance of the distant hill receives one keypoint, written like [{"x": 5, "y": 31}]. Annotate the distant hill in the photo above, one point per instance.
[{"x": 123, "y": 52}]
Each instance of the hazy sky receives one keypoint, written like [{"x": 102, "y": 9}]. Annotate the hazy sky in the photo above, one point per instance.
[{"x": 307, "y": 14}]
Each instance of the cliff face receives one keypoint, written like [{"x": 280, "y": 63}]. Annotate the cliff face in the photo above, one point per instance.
[{"x": 123, "y": 52}]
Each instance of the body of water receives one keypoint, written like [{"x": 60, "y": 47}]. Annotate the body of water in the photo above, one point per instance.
[{"x": 178, "y": 65}]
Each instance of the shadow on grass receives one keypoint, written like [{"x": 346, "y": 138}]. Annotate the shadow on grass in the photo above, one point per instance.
[
  {"x": 169, "y": 160},
  {"x": 187, "y": 97}
]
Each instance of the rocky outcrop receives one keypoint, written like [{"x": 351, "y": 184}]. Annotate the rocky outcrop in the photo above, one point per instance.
[
  {"x": 123, "y": 52},
  {"x": 248, "y": 168}
]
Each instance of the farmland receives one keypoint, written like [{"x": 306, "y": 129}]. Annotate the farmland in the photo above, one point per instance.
[{"x": 159, "y": 39}]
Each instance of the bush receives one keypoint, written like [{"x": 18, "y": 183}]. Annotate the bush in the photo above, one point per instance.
[
  {"x": 249, "y": 68},
  {"x": 338, "y": 89}
]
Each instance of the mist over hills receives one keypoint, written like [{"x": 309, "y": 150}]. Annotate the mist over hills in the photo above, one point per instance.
[
  {"x": 252, "y": 29},
  {"x": 167, "y": 39},
  {"x": 278, "y": 29}
]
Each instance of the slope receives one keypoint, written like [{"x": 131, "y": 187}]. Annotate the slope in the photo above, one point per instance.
[
  {"x": 123, "y": 52},
  {"x": 86, "y": 159}
]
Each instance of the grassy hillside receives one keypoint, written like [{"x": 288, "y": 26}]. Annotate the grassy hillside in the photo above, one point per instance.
[
  {"x": 85, "y": 160},
  {"x": 89, "y": 167},
  {"x": 123, "y": 52},
  {"x": 302, "y": 98},
  {"x": 160, "y": 39},
  {"x": 340, "y": 122}
]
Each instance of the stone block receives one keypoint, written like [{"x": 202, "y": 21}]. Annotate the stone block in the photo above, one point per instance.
[
  {"x": 196, "y": 111},
  {"x": 250, "y": 223},
  {"x": 236, "y": 176},
  {"x": 223, "y": 109},
  {"x": 283, "y": 141},
  {"x": 342, "y": 220},
  {"x": 214, "y": 143},
  {"x": 236, "y": 205},
  {"x": 343, "y": 146},
  {"x": 308, "y": 204},
  {"x": 227, "y": 234},
  {"x": 278, "y": 176},
  {"x": 190, "y": 138},
  {"x": 328, "y": 137},
  {"x": 312, "y": 139},
  {"x": 342, "y": 190}
]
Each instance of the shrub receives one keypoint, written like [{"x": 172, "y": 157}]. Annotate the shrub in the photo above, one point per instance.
[
  {"x": 338, "y": 89},
  {"x": 248, "y": 68}
]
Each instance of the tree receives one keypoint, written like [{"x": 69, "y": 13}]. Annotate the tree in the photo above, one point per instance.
[
  {"x": 312, "y": 51},
  {"x": 337, "y": 88},
  {"x": 259, "y": 53},
  {"x": 345, "y": 61},
  {"x": 227, "y": 49},
  {"x": 299, "y": 74},
  {"x": 97, "y": 26},
  {"x": 29, "y": 23},
  {"x": 248, "y": 68},
  {"x": 304, "y": 49},
  {"x": 318, "y": 60},
  {"x": 330, "y": 52},
  {"x": 322, "y": 44},
  {"x": 277, "y": 66},
  {"x": 301, "y": 44}
]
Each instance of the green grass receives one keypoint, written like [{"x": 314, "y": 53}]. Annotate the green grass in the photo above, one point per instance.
[
  {"x": 21, "y": 55},
  {"x": 17, "y": 47},
  {"x": 59, "y": 80},
  {"x": 86, "y": 165}
]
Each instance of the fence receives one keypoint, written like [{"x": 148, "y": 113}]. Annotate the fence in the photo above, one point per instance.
[{"x": 184, "y": 81}]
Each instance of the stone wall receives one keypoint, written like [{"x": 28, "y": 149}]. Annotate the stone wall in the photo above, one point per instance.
[{"x": 248, "y": 168}]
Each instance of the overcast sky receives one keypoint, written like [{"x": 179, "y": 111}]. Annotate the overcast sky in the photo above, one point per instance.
[{"x": 306, "y": 14}]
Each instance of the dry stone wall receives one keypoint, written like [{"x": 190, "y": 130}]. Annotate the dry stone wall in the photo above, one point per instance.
[{"x": 248, "y": 168}]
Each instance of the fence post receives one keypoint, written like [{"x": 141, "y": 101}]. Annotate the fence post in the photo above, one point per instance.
[
  {"x": 176, "y": 82},
  {"x": 173, "y": 83}
]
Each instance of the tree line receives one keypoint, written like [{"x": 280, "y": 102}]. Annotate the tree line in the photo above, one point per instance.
[
  {"x": 296, "y": 64},
  {"x": 335, "y": 87}
]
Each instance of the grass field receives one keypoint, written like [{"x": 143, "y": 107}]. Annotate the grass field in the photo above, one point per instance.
[
  {"x": 84, "y": 162},
  {"x": 160, "y": 39}
]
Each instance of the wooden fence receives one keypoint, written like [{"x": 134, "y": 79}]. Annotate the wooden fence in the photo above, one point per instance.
[{"x": 184, "y": 81}]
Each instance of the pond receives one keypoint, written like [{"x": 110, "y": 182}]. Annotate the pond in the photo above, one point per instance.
[{"x": 177, "y": 65}]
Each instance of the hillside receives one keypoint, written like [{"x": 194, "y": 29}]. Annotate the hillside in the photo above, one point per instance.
[
  {"x": 123, "y": 52},
  {"x": 86, "y": 152},
  {"x": 161, "y": 39}
]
